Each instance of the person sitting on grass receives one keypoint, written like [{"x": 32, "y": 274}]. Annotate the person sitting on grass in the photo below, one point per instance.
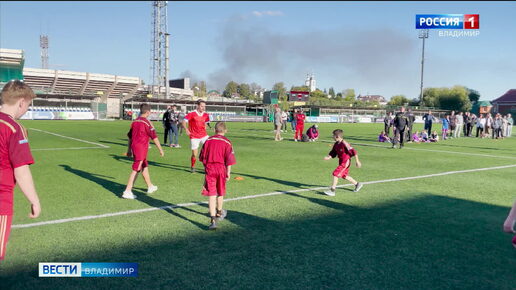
[
  {"x": 383, "y": 137},
  {"x": 313, "y": 133},
  {"x": 434, "y": 137},
  {"x": 424, "y": 137},
  {"x": 416, "y": 138}
]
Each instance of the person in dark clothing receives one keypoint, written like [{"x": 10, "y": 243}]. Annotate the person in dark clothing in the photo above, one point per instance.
[
  {"x": 467, "y": 124},
  {"x": 387, "y": 122},
  {"x": 428, "y": 118},
  {"x": 411, "y": 118},
  {"x": 166, "y": 124},
  {"x": 400, "y": 125},
  {"x": 174, "y": 129}
]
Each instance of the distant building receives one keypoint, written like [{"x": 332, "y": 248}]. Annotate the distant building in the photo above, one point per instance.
[
  {"x": 310, "y": 82},
  {"x": 213, "y": 94},
  {"x": 372, "y": 98},
  {"x": 506, "y": 103}
]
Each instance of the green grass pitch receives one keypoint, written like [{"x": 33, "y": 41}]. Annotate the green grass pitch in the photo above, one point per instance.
[{"x": 427, "y": 232}]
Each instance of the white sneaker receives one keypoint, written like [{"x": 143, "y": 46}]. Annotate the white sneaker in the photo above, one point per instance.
[
  {"x": 330, "y": 192},
  {"x": 152, "y": 189},
  {"x": 128, "y": 195}
]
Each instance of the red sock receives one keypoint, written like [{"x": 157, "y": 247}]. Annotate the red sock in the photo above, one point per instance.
[{"x": 192, "y": 161}]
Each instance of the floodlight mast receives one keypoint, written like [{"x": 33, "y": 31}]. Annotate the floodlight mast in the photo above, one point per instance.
[
  {"x": 158, "y": 68},
  {"x": 423, "y": 34},
  {"x": 43, "y": 44}
]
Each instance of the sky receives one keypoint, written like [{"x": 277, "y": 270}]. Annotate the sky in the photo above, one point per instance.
[{"x": 371, "y": 47}]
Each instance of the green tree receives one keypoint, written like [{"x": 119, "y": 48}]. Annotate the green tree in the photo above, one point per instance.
[
  {"x": 195, "y": 89},
  {"x": 231, "y": 88},
  {"x": 473, "y": 95},
  {"x": 398, "y": 100},
  {"x": 318, "y": 94},
  {"x": 300, "y": 89},
  {"x": 202, "y": 89},
  {"x": 331, "y": 92},
  {"x": 245, "y": 91},
  {"x": 349, "y": 95},
  {"x": 455, "y": 98},
  {"x": 282, "y": 91},
  {"x": 431, "y": 97}
]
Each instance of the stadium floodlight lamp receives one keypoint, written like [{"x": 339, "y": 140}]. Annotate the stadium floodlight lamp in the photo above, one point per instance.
[{"x": 423, "y": 33}]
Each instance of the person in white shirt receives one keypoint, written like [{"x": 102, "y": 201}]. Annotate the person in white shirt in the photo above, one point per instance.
[
  {"x": 284, "y": 118},
  {"x": 460, "y": 124},
  {"x": 481, "y": 122}
]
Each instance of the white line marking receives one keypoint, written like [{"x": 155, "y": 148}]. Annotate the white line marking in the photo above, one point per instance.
[
  {"x": 69, "y": 148},
  {"x": 60, "y": 221},
  {"x": 439, "y": 151},
  {"x": 66, "y": 137}
]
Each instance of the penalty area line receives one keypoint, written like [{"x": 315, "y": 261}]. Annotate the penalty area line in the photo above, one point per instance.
[
  {"x": 71, "y": 138},
  {"x": 172, "y": 206}
]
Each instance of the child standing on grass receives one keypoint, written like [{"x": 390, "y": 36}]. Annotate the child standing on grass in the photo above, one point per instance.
[
  {"x": 446, "y": 125},
  {"x": 141, "y": 131},
  {"x": 345, "y": 152},
  {"x": 218, "y": 156},
  {"x": 15, "y": 157}
]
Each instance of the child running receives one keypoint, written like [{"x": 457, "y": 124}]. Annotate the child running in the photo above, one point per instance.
[
  {"x": 345, "y": 152},
  {"x": 217, "y": 155},
  {"x": 140, "y": 133}
]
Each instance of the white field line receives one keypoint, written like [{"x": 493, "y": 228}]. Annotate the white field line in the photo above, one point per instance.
[
  {"x": 60, "y": 221},
  {"x": 69, "y": 148},
  {"x": 71, "y": 138},
  {"x": 404, "y": 148}
]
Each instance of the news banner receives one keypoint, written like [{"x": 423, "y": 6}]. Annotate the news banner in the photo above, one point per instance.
[
  {"x": 88, "y": 269},
  {"x": 451, "y": 25}
]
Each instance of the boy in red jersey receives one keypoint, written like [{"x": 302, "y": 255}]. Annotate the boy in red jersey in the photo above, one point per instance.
[
  {"x": 15, "y": 157},
  {"x": 141, "y": 131},
  {"x": 345, "y": 152},
  {"x": 217, "y": 155},
  {"x": 300, "y": 125},
  {"x": 196, "y": 129}
]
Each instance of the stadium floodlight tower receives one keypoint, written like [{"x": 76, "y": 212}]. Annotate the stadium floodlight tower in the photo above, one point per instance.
[
  {"x": 159, "y": 49},
  {"x": 423, "y": 34},
  {"x": 43, "y": 44}
]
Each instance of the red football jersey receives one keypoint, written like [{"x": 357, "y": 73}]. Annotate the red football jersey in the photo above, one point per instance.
[
  {"x": 14, "y": 152},
  {"x": 342, "y": 151},
  {"x": 141, "y": 132},
  {"x": 300, "y": 119},
  {"x": 197, "y": 124},
  {"x": 217, "y": 149}
]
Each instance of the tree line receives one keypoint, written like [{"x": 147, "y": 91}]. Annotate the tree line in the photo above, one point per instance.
[{"x": 459, "y": 98}]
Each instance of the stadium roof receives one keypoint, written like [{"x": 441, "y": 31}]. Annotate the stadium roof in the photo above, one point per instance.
[{"x": 509, "y": 97}]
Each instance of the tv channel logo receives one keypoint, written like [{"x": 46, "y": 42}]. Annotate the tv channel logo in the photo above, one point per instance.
[
  {"x": 88, "y": 269},
  {"x": 447, "y": 21}
]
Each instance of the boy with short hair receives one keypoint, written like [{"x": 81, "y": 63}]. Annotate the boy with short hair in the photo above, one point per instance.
[
  {"x": 140, "y": 133},
  {"x": 218, "y": 156},
  {"x": 15, "y": 156},
  {"x": 345, "y": 152}
]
